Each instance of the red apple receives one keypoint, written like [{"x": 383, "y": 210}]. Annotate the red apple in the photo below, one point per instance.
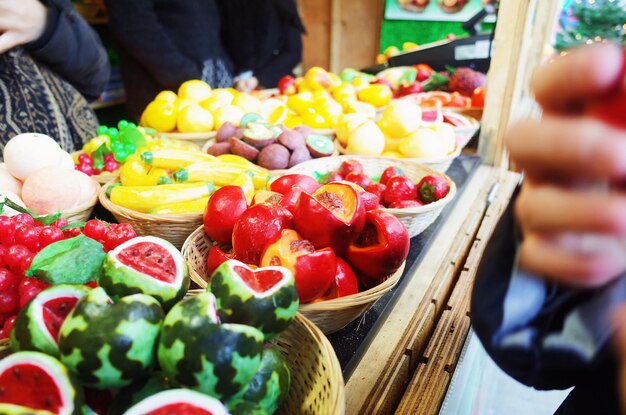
[
  {"x": 256, "y": 227},
  {"x": 345, "y": 282},
  {"x": 380, "y": 249},
  {"x": 287, "y": 85},
  {"x": 333, "y": 216},
  {"x": 224, "y": 208}
]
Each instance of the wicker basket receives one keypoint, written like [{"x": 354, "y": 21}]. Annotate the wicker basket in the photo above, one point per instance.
[
  {"x": 316, "y": 381},
  {"x": 330, "y": 316},
  {"x": 414, "y": 219},
  {"x": 439, "y": 164},
  {"x": 82, "y": 212},
  {"x": 174, "y": 228}
]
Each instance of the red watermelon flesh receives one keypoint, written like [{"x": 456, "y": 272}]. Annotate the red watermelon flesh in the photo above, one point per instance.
[
  {"x": 55, "y": 311},
  {"x": 261, "y": 280},
  {"x": 181, "y": 408},
  {"x": 151, "y": 259},
  {"x": 18, "y": 383}
]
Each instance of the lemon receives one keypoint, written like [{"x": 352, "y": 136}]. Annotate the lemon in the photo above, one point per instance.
[
  {"x": 194, "y": 119},
  {"x": 273, "y": 107},
  {"x": 195, "y": 90},
  {"x": 247, "y": 102},
  {"x": 314, "y": 119},
  {"x": 160, "y": 115},
  {"x": 400, "y": 118},
  {"x": 293, "y": 121},
  {"x": 362, "y": 108},
  {"x": 317, "y": 78},
  {"x": 409, "y": 46},
  {"x": 328, "y": 108},
  {"x": 344, "y": 92},
  {"x": 223, "y": 95},
  {"x": 347, "y": 124},
  {"x": 424, "y": 143},
  {"x": 366, "y": 139},
  {"x": 166, "y": 96},
  {"x": 376, "y": 94},
  {"x": 300, "y": 102},
  {"x": 227, "y": 113}
]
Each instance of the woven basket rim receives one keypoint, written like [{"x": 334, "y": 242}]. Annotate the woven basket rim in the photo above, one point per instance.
[
  {"x": 431, "y": 160},
  {"x": 87, "y": 205},
  {"x": 135, "y": 215},
  {"x": 398, "y": 163},
  {"x": 357, "y": 299}
]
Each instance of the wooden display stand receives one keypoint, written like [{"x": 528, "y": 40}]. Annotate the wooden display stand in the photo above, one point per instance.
[{"x": 408, "y": 365}]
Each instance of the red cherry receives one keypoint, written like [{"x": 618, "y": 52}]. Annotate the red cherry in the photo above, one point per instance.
[
  {"x": 48, "y": 235},
  {"x": 25, "y": 264},
  {"x": 9, "y": 297},
  {"x": 111, "y": 165},
  {"x": 117, "y": 234},
  {"x": 71, "y": 232},
  {"x": 94, "y": 229},
  {"x": 109, "y": 157},
  {"x": 14, "y": 257},
  {"x": 28, "y": 236},
  {"x": 84, "y": 159},
  {"x": 24, "y": 219},
  {"x": 59, "y": 223},
  {"x": 8, "y": 326},
  {"x": 7, "y": 230}
]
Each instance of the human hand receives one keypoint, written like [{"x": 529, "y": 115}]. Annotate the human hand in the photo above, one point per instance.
[
  {"x": 246, "y": 84},
  {"x": 21, "y": 22},
  {"x": 573, "y": 228}
]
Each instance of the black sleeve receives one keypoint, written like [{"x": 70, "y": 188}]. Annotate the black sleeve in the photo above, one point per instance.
[
  {"x": 71, "y": 48},
  {"x": 542, "y": 334},
  {"x": 283, "y": 63},
  {"x": 137, "y": 29}
]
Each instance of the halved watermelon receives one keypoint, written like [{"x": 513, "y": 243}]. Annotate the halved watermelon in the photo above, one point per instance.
[
  {"x": 178, "y": 402},
  {"x": 37, "y": 325},
  {"x": 147, "y": 265},
  {"x": 40, "y": 382}
]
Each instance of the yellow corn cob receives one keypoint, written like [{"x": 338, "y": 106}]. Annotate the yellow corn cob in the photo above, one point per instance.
[
  {"x": 244, "y": 180},
  {"x": 190, "y": 206},
  {"x": 221, "y": 174},
  {"x": 146, "y": 198},
  {"x": 175, "y": 159},
  {"x": 235, "y": 159}
]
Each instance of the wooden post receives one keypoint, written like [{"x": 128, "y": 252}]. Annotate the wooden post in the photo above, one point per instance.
[{"x": 521, "y": 42}]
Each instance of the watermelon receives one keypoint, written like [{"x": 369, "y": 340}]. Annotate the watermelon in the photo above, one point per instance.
[
  {"x": 270, "y": 386},
  {"x": 265, "y": 298},
  {"x": 37, "y": 325},
  {"x": 239, "y": 407},
  {"x": 37, "y": 382},
  {"x": 137, "y": 391},
  {"x": 147, "y": 265},
  {"x": 197, "y": 352},
  {"x": 107, "y": 344},
  {"x": 178, "y": 401}
]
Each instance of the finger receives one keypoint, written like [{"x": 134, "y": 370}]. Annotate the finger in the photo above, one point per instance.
[
  {"x": 545, "y": 208},
  {"x": 577, "y": 260},
  {"x": 572, "y": 147},
  {"x": 8, "y": 40},
  {"x": 583, "y": 74}
]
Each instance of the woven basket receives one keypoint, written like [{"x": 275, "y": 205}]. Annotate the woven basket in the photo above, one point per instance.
[
  {"x": 82, "y": 212},
  {"x": 439, "y": 164},
  {"x": 330, "y": 316},
  {"x": 414, "y": 219},
  {"x": 173, "y": 228},
  {"x": 316, "y": 381}
]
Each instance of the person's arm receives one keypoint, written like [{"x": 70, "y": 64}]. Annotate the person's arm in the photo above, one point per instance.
[{"x": 137, "y": 29}]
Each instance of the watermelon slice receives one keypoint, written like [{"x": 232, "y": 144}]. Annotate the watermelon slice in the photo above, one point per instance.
[
  {"x": 265, "y": 298},
  {"x": 147, "y": 265},
  {"x": 179, "y": 402},
  {"x": 37, "y": 325},
  {"x": 40, "y": 382}
]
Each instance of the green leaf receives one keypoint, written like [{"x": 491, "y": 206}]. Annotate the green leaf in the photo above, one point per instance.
[
  {"x": 436, "y": 81},
  {"x": 98, "y": 156},
  {"x": 76, "y": 260},
  {"x": 46, "y": 220}
]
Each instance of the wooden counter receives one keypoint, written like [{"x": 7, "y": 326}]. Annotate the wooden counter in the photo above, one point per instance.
[{"x": 408, "y": 365}]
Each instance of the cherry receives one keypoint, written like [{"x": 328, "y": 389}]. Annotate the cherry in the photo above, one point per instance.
[
  {"x": 71, "y": 232},
  {"x": 23, "y": 219},
  {"x": 14, "y": 256},
  {"x": 8, "y": 326},
  {"x": 50, "y": 234},
  {"x": 95, "y": 230},
  {"x": 109, "y": 157},
  {"x": 9, "y": 297},
  {"x": 28, "y": 236},
  {"x": 117, "y": 234},
  {"x": 59, "y": 223},
  {"x": 87, "y": 169},
  {"x": 7, "y": 230},
  {"x": 28, "y": 288},
  {"x": 111, "y": 165},
  {"x": 84, "y": 159},
  {"x": 25, "y": 263}
]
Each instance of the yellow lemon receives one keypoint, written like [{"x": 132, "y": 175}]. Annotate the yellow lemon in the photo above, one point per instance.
[
  {"x": 359, "y": 107},
  {"x": 446, "y": 136},
  {"x": 269, "y": 106},
  {"x": 292, "y": 121},
  {"x": 194, "y": 119},
  {"x": 376, "y": 94},
  {"x": 160, "y": 115},
  {"x": 223, "y": 95},
  {"x": 344, "y": 92},
  {"x": 247, "y": 102},
  {"x": 227, "y": 113},
  {"x": 359, "y": 83},
  {"x": 423, "y": 143},
  {"x": 166, "y": 96},
  {"x": 317, "y": 78},
  {"x": 400, "y": 118},
  {"x": 366, "y": 139},
  {"x": 195, "y": 90},
  {"x": 348, "y": 123},
  {"x": 300, "y": 102},
  {"x": 331, "y": 110},
  {"x": 334, "y": 79},
  {"x": 409, "y": 46},
  {"x": 392, "y": 51},
  {"x": 314, "y": 119}
]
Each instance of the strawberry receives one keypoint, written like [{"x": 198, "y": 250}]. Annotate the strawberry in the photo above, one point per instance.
[{"x": 432, "y": 188}]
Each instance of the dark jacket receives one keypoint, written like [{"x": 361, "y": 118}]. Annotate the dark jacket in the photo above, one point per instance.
[
  {"x": 163, "y": 43},
  {"x": 546, "y": 335},
  {"x": 42, "y": 82},
  {"x": 262, "y": 36}
]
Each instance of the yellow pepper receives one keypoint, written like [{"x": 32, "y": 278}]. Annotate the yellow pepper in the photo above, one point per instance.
[
  {"x": 222, "y": 174},
  {"x": 191, "y": 206},
  {"x": 146, "y": 198},
  {"x": 175, "y": 159},
  {"x": 136, "y": 173}
]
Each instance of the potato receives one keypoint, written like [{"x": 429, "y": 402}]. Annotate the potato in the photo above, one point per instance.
[
  {"x": 291, "y": 139},
  {"x": 226, "y": 131},
  {"x": 242, "y": 149},
  {"x": 298, "y": 156},
  {"x": 219, "y": 148},
  {"x": 305, "y": 130},
  {"x": 274, "y": 157}
]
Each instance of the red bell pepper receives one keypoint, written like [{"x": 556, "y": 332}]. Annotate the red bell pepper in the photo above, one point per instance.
[
  {"x": 432, "y": 188},
  {"x": 345, "y": 282}
]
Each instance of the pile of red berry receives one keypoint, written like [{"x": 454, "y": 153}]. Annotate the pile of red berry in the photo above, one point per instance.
[
  {"x": 394, "y": 189},
  {"x": 21, "y": 238},
  {"x": 85, "y": 164}
]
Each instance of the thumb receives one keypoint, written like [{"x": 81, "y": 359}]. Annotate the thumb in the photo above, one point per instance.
[{"x": 8, "y": 40}]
